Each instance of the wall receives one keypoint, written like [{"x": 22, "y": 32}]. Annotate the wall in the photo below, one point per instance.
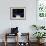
[{"x": 24, "y": 25}]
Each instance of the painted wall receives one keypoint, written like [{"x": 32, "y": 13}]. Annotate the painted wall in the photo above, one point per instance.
[{"x": 24, "y": 25}]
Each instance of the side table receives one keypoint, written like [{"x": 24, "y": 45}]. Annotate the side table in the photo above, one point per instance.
[{"x": 8, "y": 34}]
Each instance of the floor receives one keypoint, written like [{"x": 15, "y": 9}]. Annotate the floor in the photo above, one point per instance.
[{"x": 13, "y": 44}]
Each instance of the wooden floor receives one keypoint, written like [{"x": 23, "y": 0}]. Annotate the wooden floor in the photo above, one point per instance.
[{"x": 13, "y": 44}]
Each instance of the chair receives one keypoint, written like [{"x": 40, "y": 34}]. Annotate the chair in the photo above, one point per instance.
[{"x": 26, "y": 41}]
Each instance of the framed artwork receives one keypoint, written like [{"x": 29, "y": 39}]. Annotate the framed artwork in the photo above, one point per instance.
[
  {"x": 17, "y": 13},
  {"x": 41, "y": 12},
  {"x": 41, "y": 8}
]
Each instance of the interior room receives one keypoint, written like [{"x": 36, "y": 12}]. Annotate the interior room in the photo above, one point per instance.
[{"x": 22, "y": 22}]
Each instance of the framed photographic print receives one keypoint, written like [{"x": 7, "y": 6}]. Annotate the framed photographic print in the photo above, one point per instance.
[
  {"x": 41, "y": 8},
  {"x": 41, "y": 12},
  {"x": 17, "y": 13}
]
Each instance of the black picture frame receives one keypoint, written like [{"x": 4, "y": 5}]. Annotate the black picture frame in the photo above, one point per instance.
[{"x": 17, "y": 13}]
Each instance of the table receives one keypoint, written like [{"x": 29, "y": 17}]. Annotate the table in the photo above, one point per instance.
[{"x": 8, "y": 34}]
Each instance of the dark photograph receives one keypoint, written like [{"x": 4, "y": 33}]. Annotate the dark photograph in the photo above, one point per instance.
[{"x": 17, "y": 13}]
